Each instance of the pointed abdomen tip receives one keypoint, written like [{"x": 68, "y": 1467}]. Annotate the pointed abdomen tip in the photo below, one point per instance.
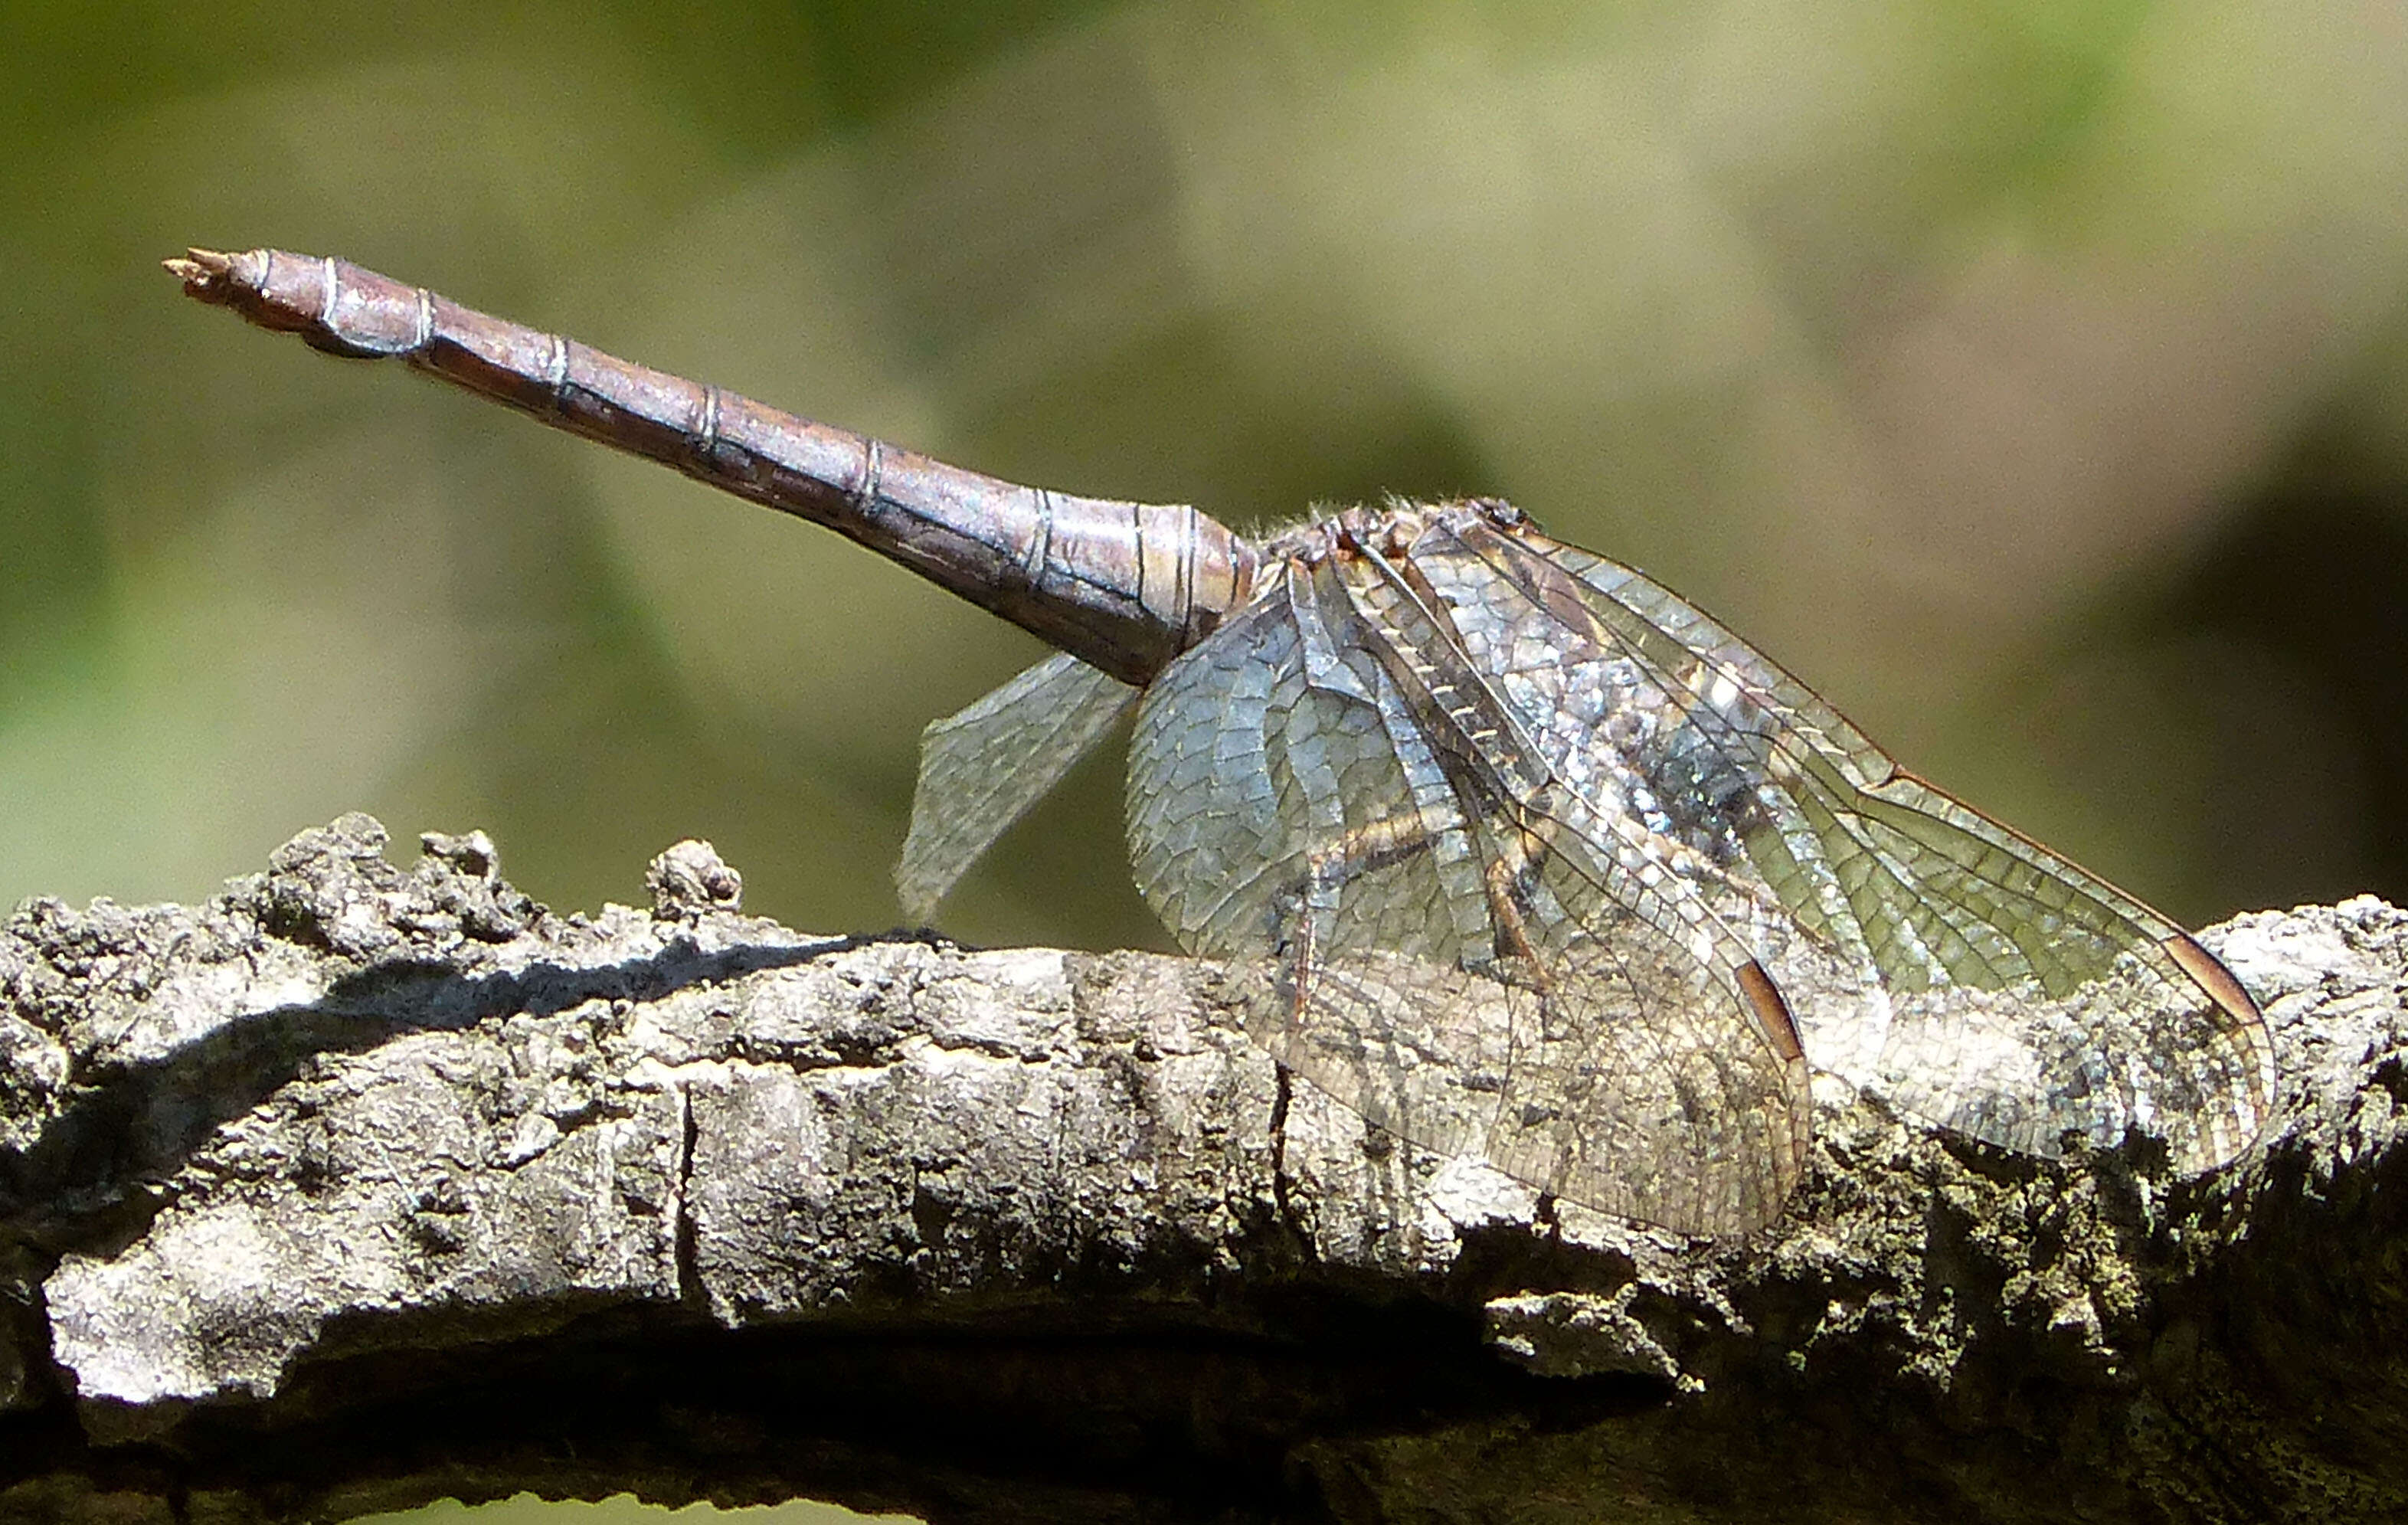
[{"x": 203, "y": 271}]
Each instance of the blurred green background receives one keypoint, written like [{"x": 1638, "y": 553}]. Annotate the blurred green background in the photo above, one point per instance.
[{"x": 2031, "y": 378}]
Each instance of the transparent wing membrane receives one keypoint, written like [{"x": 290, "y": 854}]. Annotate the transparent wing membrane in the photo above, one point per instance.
[
  {"x": 981, "y": 770},
  {"x": 1999, "y": 988},
  {"x": 1437, "y": 966},
  {"x": 1548, "y": 866}
]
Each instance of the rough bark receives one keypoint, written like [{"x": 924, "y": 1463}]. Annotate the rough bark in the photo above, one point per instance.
[{"x": 361, "y": 1186}]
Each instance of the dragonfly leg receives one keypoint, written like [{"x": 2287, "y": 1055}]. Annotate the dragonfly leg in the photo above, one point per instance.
[
  {"x": 1507, "y": 876},
  {"x": 1313, "y": 898}
]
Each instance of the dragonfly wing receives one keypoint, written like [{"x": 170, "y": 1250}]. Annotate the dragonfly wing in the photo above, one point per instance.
[
  {"x": 1970, "y": 974},
  {"x": 1300, "y": 816},
  {"x": 1245, "y": 767},
  {"x": 1670, "y": 1027},
  {"x": 1582, "y": 1089},
  {"x": 981, "y": 770}
]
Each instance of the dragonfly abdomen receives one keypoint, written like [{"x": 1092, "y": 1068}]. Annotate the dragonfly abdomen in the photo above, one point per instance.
[{"x": 1124, "y": 586}]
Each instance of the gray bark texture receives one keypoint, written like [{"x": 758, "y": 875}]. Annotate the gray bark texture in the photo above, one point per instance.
[{"x": 362, "y": 1185}]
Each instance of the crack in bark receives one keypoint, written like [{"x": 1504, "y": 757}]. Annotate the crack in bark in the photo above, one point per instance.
[{"x": 689, "y": 1273}]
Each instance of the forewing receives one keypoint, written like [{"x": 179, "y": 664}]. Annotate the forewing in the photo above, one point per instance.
[
  {"x": 1971, "y": 975},
  {"x": 983, "y": 769},
  {"x": 1289, "y": 808}
]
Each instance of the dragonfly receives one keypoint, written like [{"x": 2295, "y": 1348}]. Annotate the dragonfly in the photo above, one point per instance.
[{"x": 1514, "y": 851}]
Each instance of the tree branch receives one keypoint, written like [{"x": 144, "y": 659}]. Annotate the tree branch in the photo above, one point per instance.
[{"x": 360, "y": 1186}]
